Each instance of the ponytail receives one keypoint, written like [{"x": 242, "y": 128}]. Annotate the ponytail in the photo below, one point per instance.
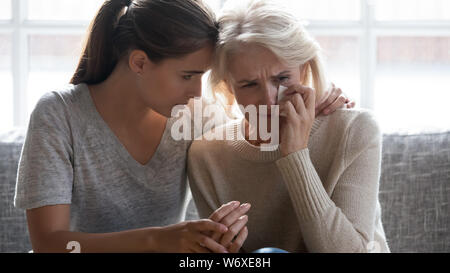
[
  {"x": 98, "y": 59},
  {"x": 161, "y": 28}
]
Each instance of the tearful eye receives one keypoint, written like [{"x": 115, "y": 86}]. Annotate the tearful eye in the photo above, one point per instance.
[
  {"x": 283, "y": 79},
  {"x": 249, "y": 85}
]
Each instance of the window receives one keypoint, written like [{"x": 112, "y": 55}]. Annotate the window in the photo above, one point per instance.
[
  {"x": 391, "y": 56},
  {"x": 52, "y": 61},
  {"x": 341, "y": 54},
  {"x": 325, "y": 10},
  {"x": 6, "y": 91},
  {"x": 413, "y": 10},
  {"x": 412, "y": 82},
  {"x": 412, "y": 65},
  {"x": 66, "y": 10},
  {"x": 5, "y": 11},
  {"x": 44, "y": 38}
]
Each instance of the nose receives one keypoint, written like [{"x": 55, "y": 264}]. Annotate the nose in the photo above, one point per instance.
[
  {"x": 195, "y": 90},
  {"x": 269, "y": 94}
]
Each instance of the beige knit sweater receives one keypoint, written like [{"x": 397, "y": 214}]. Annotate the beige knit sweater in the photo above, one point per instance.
[{"x": 320, "y": 199}]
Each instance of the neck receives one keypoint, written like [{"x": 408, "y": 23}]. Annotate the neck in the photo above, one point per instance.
[
  {"x": 117, "y": 98},
  {"x": 256, "y": 142}
]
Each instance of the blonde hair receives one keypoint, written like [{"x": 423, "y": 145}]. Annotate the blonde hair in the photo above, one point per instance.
[{"x": 267, "y": 24}]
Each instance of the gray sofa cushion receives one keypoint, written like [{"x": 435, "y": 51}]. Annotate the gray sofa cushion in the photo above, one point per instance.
[
  {"x": 13, "y": 225},
  {"x": 414, "y": 193}
]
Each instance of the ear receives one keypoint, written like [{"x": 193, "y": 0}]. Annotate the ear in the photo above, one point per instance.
[
  {"x": 303, "y": 70},
  {"x": 138, "y": 60}
]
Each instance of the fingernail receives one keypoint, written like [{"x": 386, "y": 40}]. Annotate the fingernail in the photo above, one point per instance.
[
  {"x": 233, "y": 204},
  {"x": 245, "y": 205},
  {"x": 243, "y": 217}
]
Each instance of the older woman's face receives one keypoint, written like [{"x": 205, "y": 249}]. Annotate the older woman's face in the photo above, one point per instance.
[{"x": 255, "y": 74}]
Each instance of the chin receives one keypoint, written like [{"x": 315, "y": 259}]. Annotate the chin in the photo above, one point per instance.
[{"x": 173, "y": 109}]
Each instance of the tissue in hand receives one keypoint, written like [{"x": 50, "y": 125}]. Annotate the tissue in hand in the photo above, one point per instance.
[{"x": 281, "y": 90}]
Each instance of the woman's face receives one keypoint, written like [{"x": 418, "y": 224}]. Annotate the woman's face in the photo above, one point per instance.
[
  {"x": 255, "y": 73},
  {"x": 173, "y": 82}
]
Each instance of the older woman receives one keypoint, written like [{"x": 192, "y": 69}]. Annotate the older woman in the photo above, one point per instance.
[{"x": 318, "y": 191}]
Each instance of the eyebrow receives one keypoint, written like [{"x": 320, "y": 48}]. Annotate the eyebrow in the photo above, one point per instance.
[{"x": 251, "y": 81}]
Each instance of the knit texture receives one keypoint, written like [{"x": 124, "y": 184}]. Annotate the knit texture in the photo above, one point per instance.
[{"x": 320, "y": 199}]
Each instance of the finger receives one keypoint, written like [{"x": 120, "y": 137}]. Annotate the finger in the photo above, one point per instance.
[
  {"x": 309, "y": 99},
  {"x": 296, "y": 88},
  {"x": 342, "y": 98},
  {"x": 219, "y": 215},
  {"x": 351, "y": 104},
  {"x": 206, "y": 225},
  {"x": 338, "y": 103},
  {"x": 327, "y": 101},
  {"x": 233, "y": 230},
  {"x": 299, "y": 104},
  {"x": 197, "y": 248},
  {"x": 209, "y": 243},
  {"x": 235, "y": 214},
  {"x": 223, "y": 211},
  {"x": 217, "y": 236},
  {"x": 290, "y": 112},
  {"x": 332, "y": 96},
  {"x": 239, "y": 241},
  {"x": 325, "y": 95}
]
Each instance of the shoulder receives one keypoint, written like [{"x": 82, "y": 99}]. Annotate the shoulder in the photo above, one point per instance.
[
  {"x": 54, "y": 107},
  {"x": 356, "y": 121},
  {"x": 357, "y": 130},
  {"x": 212, "y": 143},
  {"x": 360, "y": 132},
  {"x": 206, "y": 114},
  {"x": 58, "y": 99}
]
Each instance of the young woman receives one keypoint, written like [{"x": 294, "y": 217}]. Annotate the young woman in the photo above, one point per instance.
[
  {"x": 318, "y": 192},
  {"x": 99, "y": 165}
]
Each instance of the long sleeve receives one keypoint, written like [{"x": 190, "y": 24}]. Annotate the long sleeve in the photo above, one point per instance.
[
  {"x": 346, "y": 221},
  {"x": 204, "y": 209}
]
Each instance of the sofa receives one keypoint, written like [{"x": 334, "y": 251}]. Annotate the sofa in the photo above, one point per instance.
[{"x": 414, "y": 193}]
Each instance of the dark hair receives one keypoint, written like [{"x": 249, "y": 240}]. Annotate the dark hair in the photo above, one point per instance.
[{"x": 160, "y": 28}]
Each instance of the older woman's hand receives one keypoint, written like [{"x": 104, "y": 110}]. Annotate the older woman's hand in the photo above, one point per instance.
[
  {"x": 331, "y": 100},
  {"x": 232, "y": 215},
  {"x": 297, "y": 111}
]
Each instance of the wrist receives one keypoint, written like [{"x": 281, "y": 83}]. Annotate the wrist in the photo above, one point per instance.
[
  {"x": 151, "y": 239},
  {"x": 288, "y": 151}
]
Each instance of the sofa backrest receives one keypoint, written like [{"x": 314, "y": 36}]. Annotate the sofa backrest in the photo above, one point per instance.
[
  {"x": 13, "y": 225},
  {"x": 414, "y": 194}
]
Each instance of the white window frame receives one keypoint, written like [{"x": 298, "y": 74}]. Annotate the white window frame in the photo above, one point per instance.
[
  {"x": 19, "y": 27},
  {"x": 367, "y": 30}
]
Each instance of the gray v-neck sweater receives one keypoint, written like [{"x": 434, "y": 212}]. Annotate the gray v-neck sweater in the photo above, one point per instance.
[
  {"x": 320, "y": 199},
  {"x": 70, "y": 156}
]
